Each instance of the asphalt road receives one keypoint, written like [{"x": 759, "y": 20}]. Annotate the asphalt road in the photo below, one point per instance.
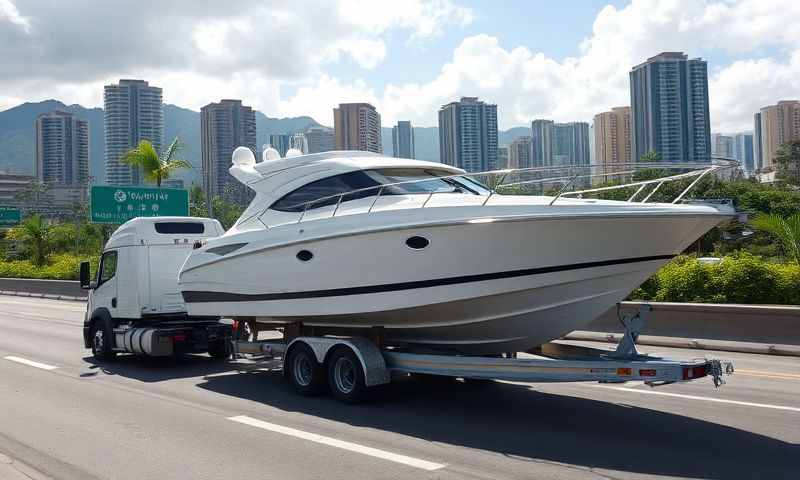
[{"x": 63, "y": 416}]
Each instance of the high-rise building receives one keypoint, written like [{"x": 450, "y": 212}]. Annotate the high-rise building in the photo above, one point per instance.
[
  {"x": 779, "y": 124},
  {"x": 133, "y": 112},
  {"x": 357, "y": 126},
  {"x": 542, "y": 142},
  {"x": 224, "y": 127},
  {"x": 612, "y": 136},
  {"x": 669, "y": 108},
  {"x": 520, "y": 152},
  {"x": 468, "y": 135},
  {"x": 559, "y": 144},
  {"x": 503, "y": 157},
  {"x": 320, "y": 139},
  {"x": 298, "y": 141},
  {"x": 758, "y": 148},
  {"x": 743, "y": 151},
  {"x": 280, "y": 142},
  {"x": 403, "y": 140},
  {"x": 62, "y": 149},
  {"x": 722, "y": 146}
]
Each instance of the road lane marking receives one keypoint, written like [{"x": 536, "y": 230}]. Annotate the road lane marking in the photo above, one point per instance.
[
  {"x": 30, "y": 363},
  {"x": 333, "y": 442},
  {"x": 705, "y": 399},
  {"x": 778, "y": 375}
]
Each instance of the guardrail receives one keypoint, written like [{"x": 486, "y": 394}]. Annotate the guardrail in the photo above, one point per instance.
[
  {"x": 64, "y": 289},
  {"x": 775, "y": 328}
]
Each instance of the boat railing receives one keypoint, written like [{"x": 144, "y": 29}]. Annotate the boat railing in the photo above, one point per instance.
[{"x": 565, "y": 175}]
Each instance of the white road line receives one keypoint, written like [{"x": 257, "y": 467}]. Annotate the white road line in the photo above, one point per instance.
[
  {"x": 30, "y": 363},
  {"x": 333, "y": 442},
  {"x": 705, "y": 399}
]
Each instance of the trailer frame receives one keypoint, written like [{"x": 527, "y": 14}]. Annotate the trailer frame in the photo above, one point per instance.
[{"x": 373, "y": 364}]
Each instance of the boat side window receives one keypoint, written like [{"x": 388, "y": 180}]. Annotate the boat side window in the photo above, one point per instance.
[
  {"x": 326, "y": 191},
  {"x": 108, "y": 267},
  {"x": 411, "y": 181}
]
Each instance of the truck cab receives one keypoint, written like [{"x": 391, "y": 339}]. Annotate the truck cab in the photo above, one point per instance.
[{"x": 134, "y": 304}]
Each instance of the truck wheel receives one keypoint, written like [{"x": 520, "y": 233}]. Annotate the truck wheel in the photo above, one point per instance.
[
  {"x": 303, "y": 370},
  {"x": 346, "y": 377},
  {"x": 101, "y": 338},
  {"x": 218, "y": 349}
]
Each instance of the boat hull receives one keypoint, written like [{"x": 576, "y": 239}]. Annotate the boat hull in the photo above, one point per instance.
[{"x": 510, "y": 284}]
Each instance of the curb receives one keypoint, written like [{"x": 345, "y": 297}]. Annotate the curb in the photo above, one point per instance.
[
  {"x": 48, "y": 296},
  {"x": 693, "y": 343}
]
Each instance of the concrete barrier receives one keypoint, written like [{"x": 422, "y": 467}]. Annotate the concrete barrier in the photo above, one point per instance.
[
  {"x": 68, "y": 289},
  {"x": 766, "y": 324}
]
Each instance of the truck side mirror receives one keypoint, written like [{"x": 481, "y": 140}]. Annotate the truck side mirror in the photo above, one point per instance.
[{"x": 85, "y": 276}]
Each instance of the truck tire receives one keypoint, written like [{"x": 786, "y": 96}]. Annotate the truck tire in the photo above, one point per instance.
[
  {"x": 101, "y": 337},
  {"x": 346, "y": 376},
  {"x": 303, "y": 371},
  {"x": 218, "y": 349}
]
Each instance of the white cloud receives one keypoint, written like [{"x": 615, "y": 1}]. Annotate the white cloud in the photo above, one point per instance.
[
  {"x": 9, "y": 11},
  {"x": 205, "y": 48},
  {"x": 527, "y": 84}
]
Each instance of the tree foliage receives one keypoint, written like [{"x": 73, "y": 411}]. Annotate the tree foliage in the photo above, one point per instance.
[
  {"x": 785, "y": 229},
  {"x": 740, "y": 278},
  {"x": 155, "y": 168},
  {"x": 787, "y": 162},
  {"x": 34, "y": 233}
]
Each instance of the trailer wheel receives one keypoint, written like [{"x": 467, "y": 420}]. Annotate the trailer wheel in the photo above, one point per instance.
[
  {"x": 303, "y": 370},
  {"x": 101, "y": 338},
  {"x": 346, "y": 376}
]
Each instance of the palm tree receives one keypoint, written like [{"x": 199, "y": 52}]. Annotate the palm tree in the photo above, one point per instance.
[
  {"x": 35, "y": 233},
  {"x": 787, "y": 230},
  {"x": 155, "y": 168}
]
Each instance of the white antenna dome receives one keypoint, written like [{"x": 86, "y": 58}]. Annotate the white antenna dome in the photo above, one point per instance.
[
  {"x": 243, "y": 156},
  {"x": 293, "y": 152},
  {"x": 270, "y": 154}
]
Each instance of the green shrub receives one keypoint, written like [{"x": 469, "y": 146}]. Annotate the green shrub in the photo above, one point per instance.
[
  {"x": 740, "y": 278},
  {"x": 59, "y": 267}
]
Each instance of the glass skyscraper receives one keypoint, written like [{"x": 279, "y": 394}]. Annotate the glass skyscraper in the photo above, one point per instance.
[
  {"x": 468, "y": 135},
  {"x": 133, "y": 112},
  {"x": 669, "y": 108}
]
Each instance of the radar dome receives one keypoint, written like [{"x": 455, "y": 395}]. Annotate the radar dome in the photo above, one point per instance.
[
  {"x": 293, "y": 152},
  {"x": 243, "y": 156},
  {"x": 270, "y": 154}
]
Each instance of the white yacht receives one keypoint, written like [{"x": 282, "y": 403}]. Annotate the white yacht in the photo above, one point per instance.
[{"x": 349, "y": 240}]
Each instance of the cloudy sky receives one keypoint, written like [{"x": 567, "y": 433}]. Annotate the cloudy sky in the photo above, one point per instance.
[{"x": 564, "y": 60}]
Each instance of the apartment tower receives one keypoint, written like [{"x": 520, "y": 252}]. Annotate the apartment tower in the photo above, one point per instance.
[
  {"x": 468, "y": 135},
  {"x": 669, "y": 108},
  {"x": 224, "y": 126},
  {"x": 133, "y": 112},
  {"x": 403, "y": 140},
  {"x": 61, "y": 149},
  {"x": 357, "y": 126}
]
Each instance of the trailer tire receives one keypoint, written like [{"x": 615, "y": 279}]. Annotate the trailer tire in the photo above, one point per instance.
[
  {"x": 101, "y": 336},
  {"x": 218, "y": 349},
  {"x": 305, "y": 373},
  {"x": 346, "y": 376}
]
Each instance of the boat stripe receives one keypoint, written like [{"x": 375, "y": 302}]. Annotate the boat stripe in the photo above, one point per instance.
[{"x": 194, "y": 296}]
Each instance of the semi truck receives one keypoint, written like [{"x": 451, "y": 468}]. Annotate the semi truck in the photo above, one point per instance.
[{"x": 135, "y": 306}]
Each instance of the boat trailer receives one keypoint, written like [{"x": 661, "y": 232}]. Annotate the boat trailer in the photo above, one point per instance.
[{"x": 373, "y": 364}]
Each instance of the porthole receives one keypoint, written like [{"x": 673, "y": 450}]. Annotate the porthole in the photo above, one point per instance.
[
  {"x": 304, "y": 255},
  {"x": 417, "y": 243}
]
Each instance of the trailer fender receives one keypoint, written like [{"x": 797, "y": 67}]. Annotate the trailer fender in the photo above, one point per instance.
[{"x": 368, "y": 354}]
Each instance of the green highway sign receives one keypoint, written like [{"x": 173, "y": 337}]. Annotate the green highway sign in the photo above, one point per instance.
[
  {"x": 9, "y": 216},
  {"x": 120, "y": 204}
]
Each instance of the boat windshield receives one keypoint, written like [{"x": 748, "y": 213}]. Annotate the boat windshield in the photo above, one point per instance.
[{"x": 367, "y": 183}]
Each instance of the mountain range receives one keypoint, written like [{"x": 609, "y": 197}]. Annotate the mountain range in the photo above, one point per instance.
[{"x": 17, "y": 136}]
